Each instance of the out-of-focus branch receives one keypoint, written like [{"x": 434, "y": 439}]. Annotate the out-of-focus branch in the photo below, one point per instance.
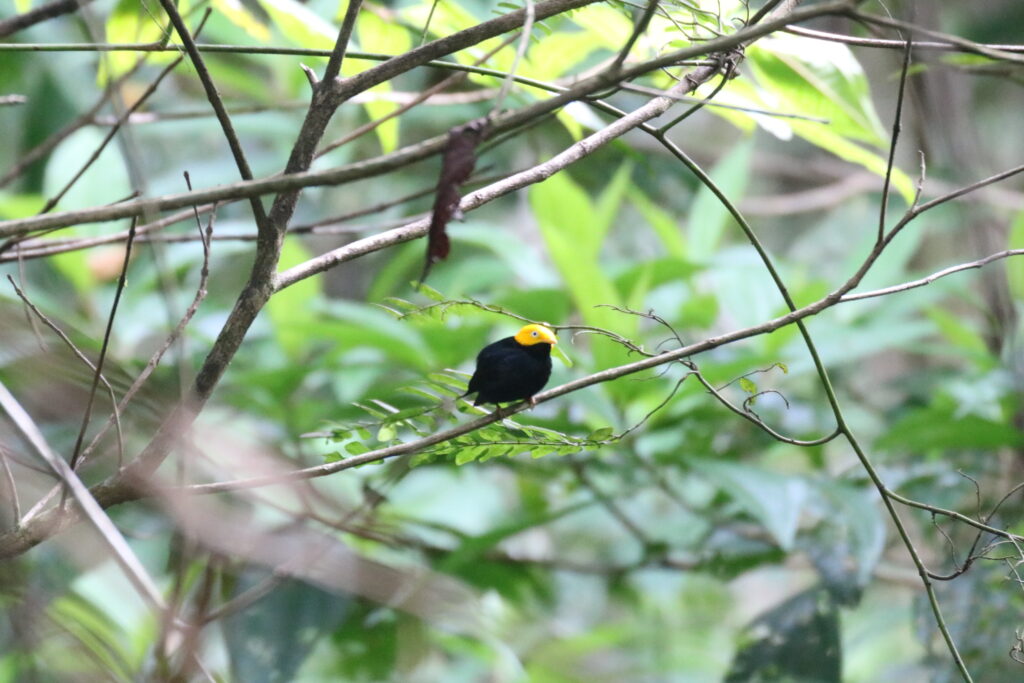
[
  {"x": 131, "y": 565},
  {"x": 218, "y": 107},
  {"x": 50, "y": 10}
]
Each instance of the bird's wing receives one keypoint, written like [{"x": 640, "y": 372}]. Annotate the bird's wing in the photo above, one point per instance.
[{"x": 490, "y": 363}]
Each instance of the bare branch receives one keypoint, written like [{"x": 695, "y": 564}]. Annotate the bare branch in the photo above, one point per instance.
[
  {"x": 50, "y": 10},
  {"x": 129, "y": 563}
]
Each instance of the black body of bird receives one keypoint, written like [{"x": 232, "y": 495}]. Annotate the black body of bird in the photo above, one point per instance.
[{"x": 514, "y": 368}]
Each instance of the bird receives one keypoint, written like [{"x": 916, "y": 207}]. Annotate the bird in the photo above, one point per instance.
[{"x": 513, "y": 368}]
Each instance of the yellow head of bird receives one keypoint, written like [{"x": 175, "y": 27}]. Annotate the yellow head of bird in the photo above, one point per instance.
[{"x": 535, "y": 334}]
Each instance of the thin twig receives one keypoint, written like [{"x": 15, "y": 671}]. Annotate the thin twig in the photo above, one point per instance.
[
  {"x": 115, "y": 412},
  {"x": 12, "y": 488},
  {"x": 36, "y": 15},
  {"x": 154, "y": 361},
  {"x": 524, "y": 43},
  {"x": 129, "y": 563},
  {"x": 121, "y": 282},
  {"x": 259, "y": 213},
  {"x": 341, "y": 43},
  {"x": 897, "y": 125},
  {"x": 121, "y": 119}
]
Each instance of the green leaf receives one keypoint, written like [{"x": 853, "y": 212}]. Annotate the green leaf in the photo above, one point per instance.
[
  {"x": 131, "y": 22},
  {"x": 606, "y": 209},
  {"x": 386, "y": 433},
  {"x": 843, "y": 148},
  {"x": 94, "y": 630},
  {"x": 775, "y": 500},
  {"x": 818, "y": 79},
  {"x": 243, "y": 18},
  {"x": 664, "y": 224},
  {"x": 387, "y": 37},
  {"x": 854, "y": 520},
  {"x": 400, "y": 304},
  {"x": 291, "y": 309},
  {"x": 560, "y": 354},
  {"x": 300, "y": 25},
  {"x": 347, "y": 325},
  {"x": 601, "y": 434},
  {"x": 472, "y": 548},
  {"x": 651, "y": 273},
  {"x": 748, "y": 385},
  {"x": 1015, "y": 264},
  {"x": 798, "y": 640},
  {"x": 357, "y": 448},
  {"x": 699, "y": 311},
  {"x": 940, "y": 428},
  {"x": 429, "y": 292},
  {"x": 272, "y": 638},
  {"x": 708, "y": 217},
  {"x": 557, "y": 54},
  {"x": 958, "y": 333},
  {"x": 20, "y": 205},
  {"x": 565, "y": 214},
  {"x": 467, "y": 455}
]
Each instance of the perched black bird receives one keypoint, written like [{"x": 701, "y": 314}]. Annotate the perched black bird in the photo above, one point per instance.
[{"x": 513, "y": 368}]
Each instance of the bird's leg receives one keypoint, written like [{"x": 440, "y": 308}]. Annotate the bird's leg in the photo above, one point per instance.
[{"x": 532, "y": 401}]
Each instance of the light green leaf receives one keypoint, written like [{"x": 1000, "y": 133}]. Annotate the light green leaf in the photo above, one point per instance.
[
  {"x": 242, "y": 17},
  {"x": 1015, "y": 264},
  {"x": 299, "y": 25},
  {"x": 291, "y": 309},
  {"x": 377, "y": 35},
  {"x": 20, "y": 205},
  {"x": 958, "y": 333},
  {"x": 818, "y": 79},
  {"x": 664, "y": 224},
  {"x": 130, "y": 22},
  {"x": 843, "y": 148},
  {"x": 429, "y": 292},
  {"x": 357, "y": 448},
  {"x": 566, "y": 215},
  {"x": 469, "y": 454},
  {"x": 709, "y": 218},
  {"x": 606, "y": 210},
  {"x": 559, "y": 353},
  {"x": 556, "y": 55}
]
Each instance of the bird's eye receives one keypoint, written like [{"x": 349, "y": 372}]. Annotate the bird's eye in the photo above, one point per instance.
[{"x": 534, "y": 333}]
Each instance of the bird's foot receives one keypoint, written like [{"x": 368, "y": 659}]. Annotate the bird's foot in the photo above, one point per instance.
[{"x": 532, "y": 401}]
